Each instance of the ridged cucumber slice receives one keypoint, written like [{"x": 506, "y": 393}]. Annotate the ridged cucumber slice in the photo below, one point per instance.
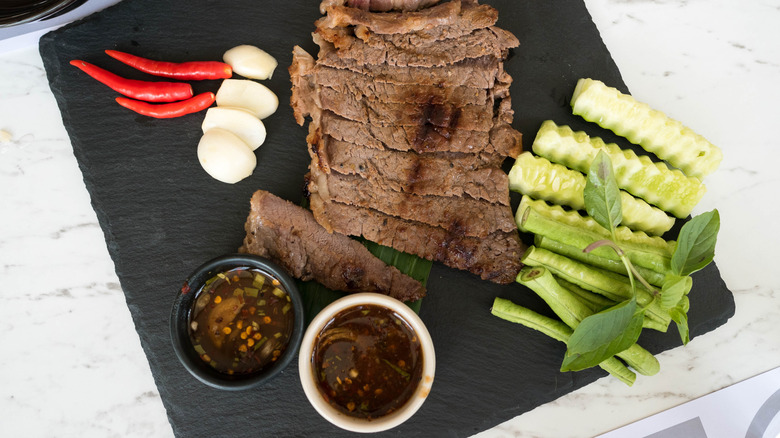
[
  {"x": 539, "y": 178},
  {"x": 667, "y": 138},
  {"x": 654, "y": 182},
  {"x": 571, "y": 228}
]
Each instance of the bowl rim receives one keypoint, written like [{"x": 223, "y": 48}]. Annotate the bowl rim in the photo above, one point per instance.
[
  {"x": 307, "y": 377},
  {"x": 179, "y": 321}
]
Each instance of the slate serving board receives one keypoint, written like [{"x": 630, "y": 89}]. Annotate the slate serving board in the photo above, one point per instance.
[{"x": 162, "y": 215}]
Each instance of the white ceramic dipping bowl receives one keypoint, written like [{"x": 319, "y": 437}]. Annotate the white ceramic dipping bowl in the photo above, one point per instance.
[{"x": 308, "y": 378}]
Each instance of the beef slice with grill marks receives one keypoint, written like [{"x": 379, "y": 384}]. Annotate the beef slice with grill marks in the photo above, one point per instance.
[
  {"x": 289, "y": 235},
  {"x": 346, "y": 157},
  {"x": 338, "y": 15},
  {"x": 481, "y": 72},
  {"x": 501, "y": 140},
  {"x": 421, "y": 175},
  {"x": 349, "y": 82},
  {"x": 491, "y": 41},
  {"x": 463, "y": 214},
  {"x": 472, "y": 16},
  {"x": 383, "y": 5},
  {"x": 378, "y": 113},
  {"x": 495, "y": 257},
  {"x": 340, "y": 75}
]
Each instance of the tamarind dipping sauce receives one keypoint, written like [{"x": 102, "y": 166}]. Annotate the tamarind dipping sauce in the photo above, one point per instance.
[{"x": 367, "y": 361}]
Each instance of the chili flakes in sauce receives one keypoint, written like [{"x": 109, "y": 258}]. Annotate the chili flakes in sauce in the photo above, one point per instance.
[
  {"x": 368, "y": 361},
  {"x": 241, "y": 321}
]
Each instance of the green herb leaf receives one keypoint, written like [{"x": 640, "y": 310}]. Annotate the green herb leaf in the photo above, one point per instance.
[
  {"x": 602, "y": 195},
  {"x": 602, "y": 335},
  {"x": 681, "y": 319},
  {"x": 696, "y": 243},
  {"x": 673, "y": 289}
]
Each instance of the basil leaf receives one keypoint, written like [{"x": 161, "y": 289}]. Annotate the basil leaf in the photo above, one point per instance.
[
  {"x": 602, "y": 335},
  {"x": 681, "y": 319},
  {"x": 673, "y": 289},
  {"x": 602, "y": 195},
  {"x": 696, "y": 243}
]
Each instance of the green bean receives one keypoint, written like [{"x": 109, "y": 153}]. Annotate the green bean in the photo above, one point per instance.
[
  {"x": 652, "y": 277},
  {"x": 572, "y": 311},
  {"x": 509, "y": 311}
]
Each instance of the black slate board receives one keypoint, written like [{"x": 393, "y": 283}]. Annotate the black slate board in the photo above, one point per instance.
[{"x": 162, "y": 215}]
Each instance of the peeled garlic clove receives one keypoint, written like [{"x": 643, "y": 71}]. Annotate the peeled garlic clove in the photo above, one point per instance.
[
  {"x": 225, "y": 156},
  {"x": 241, "y": 122},
  {"x": 248, "y": 94},
  {"x": 250, "y": 62}
]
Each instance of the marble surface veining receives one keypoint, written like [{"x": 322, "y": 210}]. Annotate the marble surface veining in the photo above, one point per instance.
[{"x": 71, "y": 362}]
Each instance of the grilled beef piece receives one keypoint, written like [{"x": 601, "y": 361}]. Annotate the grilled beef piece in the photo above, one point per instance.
[
  {"x": 390, "y": 5},
  {"x": 376, "y": 49},
  {"x": 289, "y": 235},
  {"x": 483, "y": 72},
  {"x": 502, "y": 140},
  {"x": 495, "y": 258},
  {"x": 338, "y": 15},
  {"x": 421, "y": 175},
  {"x": 410, "y": 120},
  {"x": 345, "y": 157},
  {"x": 463, "y": 214},
  {"x": 377, "y": 113},
  {"x": 361, "y": 86},
  {"x": 472, "y": 16}
]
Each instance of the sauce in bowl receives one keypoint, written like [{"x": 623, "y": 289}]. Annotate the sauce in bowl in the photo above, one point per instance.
[
  {"x": 241, "y": 321},
  {"x": 367, "y": 361}
]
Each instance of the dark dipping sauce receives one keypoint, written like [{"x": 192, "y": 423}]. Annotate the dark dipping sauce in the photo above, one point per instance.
[
  {"x": 241, "y": 321},
  {"x": 367, "y": 361}
]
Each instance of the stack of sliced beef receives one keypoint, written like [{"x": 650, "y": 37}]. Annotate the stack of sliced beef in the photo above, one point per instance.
[{"x": 410, "y": 123}]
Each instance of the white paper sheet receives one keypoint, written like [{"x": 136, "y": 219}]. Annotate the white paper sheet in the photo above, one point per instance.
[{"x": 749, "y": 409}]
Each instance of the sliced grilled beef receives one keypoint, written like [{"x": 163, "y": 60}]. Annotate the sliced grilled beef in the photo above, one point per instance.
[
  {"x": 472, "y": 16},
  {"x": 348, "y": 157},
  {"x": 463, "y": 214},
  {"x": 305, "y": 100},
  {"x": 289, "y": 235},
  {"x": 390, "y": 5},
  {"x": 494, "y": 40},
  {"x": 502, "y": 140},
  {"x": 379, "y": 50},
  {"x": 443, "y": 14},
  {"x": 346, "y": 81},
  {"x": 377, "y": 113},
  {"x": 481, "y": 72},
  {"x": 422, "y": 175},
  {"x": 495, "y": 258}
]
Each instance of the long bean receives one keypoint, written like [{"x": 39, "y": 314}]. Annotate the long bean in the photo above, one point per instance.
[
  {"x": 570, "y": 228},
  {"x": 652, "y": 277},
  {"x": 606, "y": 283},
  {"x": 509, "y": 311},
  {"x": 572, "y": 311}
]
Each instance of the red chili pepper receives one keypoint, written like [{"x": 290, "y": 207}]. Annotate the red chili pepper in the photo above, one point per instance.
[
  {"x": 143, "y": 90},
  {"x": 169, "y": 110},
  {"x": 193, "y": 70}
]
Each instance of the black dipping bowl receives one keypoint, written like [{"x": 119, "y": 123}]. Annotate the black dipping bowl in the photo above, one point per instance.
[{"x": 180, "y": 321}]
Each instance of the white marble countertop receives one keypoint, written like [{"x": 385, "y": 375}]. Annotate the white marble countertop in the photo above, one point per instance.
[{"x": 72, "y": 364}]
